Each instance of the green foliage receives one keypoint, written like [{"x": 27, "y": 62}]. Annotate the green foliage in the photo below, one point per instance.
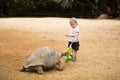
[
  {"x": 65, "y": 3},
  {"x": 66, "y": 8},
  {"x": 69, "y": 56}
]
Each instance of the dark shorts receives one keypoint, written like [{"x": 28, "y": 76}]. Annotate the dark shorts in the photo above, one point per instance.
[{"x": 75, "y": 45}]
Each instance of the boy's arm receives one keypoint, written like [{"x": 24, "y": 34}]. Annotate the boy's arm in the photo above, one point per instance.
[
  {"x": 67, "y": 35},
  {"x": 76, "y": 37}
]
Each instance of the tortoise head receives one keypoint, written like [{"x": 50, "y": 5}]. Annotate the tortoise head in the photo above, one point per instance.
[{"x": 63, "y": 54}]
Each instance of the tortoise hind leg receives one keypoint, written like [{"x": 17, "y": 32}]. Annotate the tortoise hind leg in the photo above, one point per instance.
[
  {"x": 23, "y": 69},
  {"x": 59, "y": 66}
]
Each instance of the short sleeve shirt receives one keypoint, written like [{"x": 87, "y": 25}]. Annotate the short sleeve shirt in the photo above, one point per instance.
[{"x": 73, "y": 31}]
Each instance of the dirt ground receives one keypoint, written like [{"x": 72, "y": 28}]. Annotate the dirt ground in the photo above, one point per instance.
[{"x": 98, "y": 57}]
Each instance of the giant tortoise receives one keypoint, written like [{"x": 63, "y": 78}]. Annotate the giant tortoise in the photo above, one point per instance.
[{"x": 43, "y": 58}]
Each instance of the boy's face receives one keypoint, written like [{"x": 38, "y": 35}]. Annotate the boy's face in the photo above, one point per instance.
[{"x": 73, "y": 24}]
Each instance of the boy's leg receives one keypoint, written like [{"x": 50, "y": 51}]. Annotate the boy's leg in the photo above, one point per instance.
[
  {"x": 75, "y": 53},
  {"x": 75, "y": 47},
  {"x": 74, "y": 56}
]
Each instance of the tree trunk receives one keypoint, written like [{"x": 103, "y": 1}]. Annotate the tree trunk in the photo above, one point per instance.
[{"x": 103, "y": 6}]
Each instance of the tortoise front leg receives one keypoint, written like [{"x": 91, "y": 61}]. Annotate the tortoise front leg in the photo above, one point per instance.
[
  {"x": 59, "y": 66},
  {"x": 39, "y": 70}
]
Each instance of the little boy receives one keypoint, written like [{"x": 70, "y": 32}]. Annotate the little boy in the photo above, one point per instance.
[{"x": 74, "y": 37}]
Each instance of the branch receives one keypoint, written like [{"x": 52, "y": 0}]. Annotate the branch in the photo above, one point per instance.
[
  {"x": 90, "y": 4},
  {"x": 81, "y": 3},
  {"x": 93, "y": 6}
]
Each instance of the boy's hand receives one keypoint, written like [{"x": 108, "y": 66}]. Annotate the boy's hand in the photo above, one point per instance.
[
  {"x": 76, "y": 37},
  {"x": 74, "y": 40},
  {"x": 66, "y": 35}
]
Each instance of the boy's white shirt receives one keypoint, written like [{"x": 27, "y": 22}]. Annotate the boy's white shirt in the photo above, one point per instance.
[{"x": 73, "y": 31}]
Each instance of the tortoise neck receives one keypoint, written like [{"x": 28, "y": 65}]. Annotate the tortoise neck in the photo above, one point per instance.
[{"x": 63, "y": 54}]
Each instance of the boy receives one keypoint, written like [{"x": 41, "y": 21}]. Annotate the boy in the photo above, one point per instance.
[{"x": 74, "y": 37}]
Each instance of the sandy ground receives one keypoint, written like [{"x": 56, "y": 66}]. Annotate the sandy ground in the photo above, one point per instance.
[{"x": 98, "y": 57}]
